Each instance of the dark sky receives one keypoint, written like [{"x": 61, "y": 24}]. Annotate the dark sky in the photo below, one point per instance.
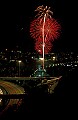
[{"x": 15, "y": 18}]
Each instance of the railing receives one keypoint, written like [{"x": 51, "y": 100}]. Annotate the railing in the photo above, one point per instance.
[{"x": 28, "y": 78}]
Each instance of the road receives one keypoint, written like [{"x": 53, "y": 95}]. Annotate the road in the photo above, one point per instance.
[{"x": 12, "y": 89}]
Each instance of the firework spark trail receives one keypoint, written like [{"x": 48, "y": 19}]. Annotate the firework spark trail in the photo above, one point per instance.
[
  {"x": 51, "y": 29},
  {"x": 39, "y": 47},
  {"x": 42, "y": 11},
  {"x": 44, "y": 29}
]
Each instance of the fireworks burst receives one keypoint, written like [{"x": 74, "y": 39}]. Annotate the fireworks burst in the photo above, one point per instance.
[
  {"x": 44, "y": 29},
  {"x": 51, "y": 29},
  {"x": 39, "y": 47},
  {"x": 43, "y": 11}
]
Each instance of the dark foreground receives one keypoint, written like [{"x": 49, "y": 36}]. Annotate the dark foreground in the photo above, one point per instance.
[{"x": 40, "y": 105}]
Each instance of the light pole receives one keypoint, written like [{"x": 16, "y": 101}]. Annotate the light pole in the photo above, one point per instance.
[{"x": 19, "y": 67}]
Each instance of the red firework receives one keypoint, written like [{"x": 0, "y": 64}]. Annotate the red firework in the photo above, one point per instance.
[
  {"x": 51, "y": 29},
  {"x": 36, "y": 29},
  {"x": 39, "y": 47},
  {"x": 44, "y": 29}
]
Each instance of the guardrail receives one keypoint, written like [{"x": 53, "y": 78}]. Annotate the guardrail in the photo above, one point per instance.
[{"x": 28, "y": 78}]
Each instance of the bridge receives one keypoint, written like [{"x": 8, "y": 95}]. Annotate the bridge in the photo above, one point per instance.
[
  {"x": 51, "y": 82},
  {"x": 30, "y": 78}
]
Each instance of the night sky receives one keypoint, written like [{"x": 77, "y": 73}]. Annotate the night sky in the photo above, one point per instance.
[{"x": 15, "y": 18}]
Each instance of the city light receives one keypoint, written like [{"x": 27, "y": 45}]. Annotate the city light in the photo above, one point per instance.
[
  {"x": 41, "y": 58},
  {"x": 1, "y": 92},
  {"x": 54, "y": 58},
  {"x": 19, "y": 66}
]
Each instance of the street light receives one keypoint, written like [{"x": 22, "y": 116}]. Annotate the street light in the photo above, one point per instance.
[{"x": 19, "y": 66}]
